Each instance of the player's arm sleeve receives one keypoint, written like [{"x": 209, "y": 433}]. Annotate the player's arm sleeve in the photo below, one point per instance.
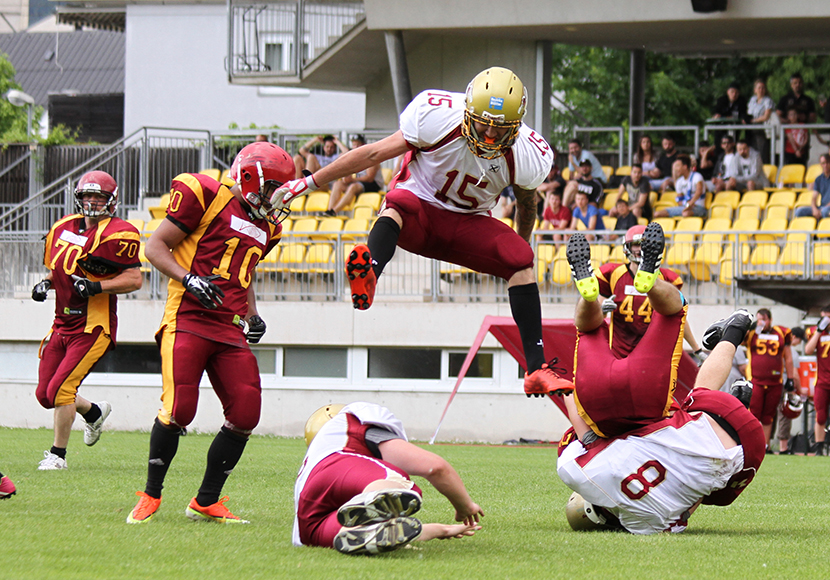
[
  {"x": 430, "y": 117},
  {"x": 375, "y": 436},
  {"x": 188, "y": 202},
  {"x": 118, "y": 250},
  {"x": 533, "y": 157}
]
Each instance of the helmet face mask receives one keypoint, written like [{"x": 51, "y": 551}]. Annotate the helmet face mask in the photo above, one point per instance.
[
  {"x": 319, "y": 418},
  {"x": 98, "y": 183},
  {"x": 494, "y": 98},
  {"x": 792, "y": 406},
  {"x": 633, "y": 237},
  {"x": 259, "y": 169}
]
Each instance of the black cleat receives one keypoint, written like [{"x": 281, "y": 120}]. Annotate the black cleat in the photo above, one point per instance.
[
  {"x": 741, "y": 319},
  {"x": 651, "y": 255}
]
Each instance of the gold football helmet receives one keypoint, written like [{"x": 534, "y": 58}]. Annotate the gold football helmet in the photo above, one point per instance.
[
  {"x": 319, "y": 418},
  {"x": 497, "y": 98},
  {"x": 582, "y": 515}
]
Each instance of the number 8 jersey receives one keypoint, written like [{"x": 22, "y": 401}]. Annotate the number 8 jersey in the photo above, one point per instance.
[
  {"x": 98, "y": 253},
  {"x": 441, "y": 169}
]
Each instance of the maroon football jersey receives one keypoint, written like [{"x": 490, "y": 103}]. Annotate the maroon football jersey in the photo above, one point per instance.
[
  {"x": 822, "y": 356},
  {"x": 98, "y": 253},
  {"x": 223, "y": 239},
  {"x": 633, "y": 314},
  {"x": 765, "y": 354}
]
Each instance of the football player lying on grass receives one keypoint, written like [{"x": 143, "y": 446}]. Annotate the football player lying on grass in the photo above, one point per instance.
[
  {"x": 652, "y": 478},
  {"x": 353, "y": 492}
]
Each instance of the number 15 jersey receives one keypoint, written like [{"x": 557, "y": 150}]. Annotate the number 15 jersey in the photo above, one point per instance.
[{"x": 441, "y": 169}]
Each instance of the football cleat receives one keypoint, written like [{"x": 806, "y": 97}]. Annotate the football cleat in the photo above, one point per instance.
[
  {"x": 651, "y": 255},
  {"x": 373, "y": 507},
  {"x": 51, "y": 462},
  {"x": 362, "y": 278},
  {"x": 741, "y": 319},
  {"x": 7, "y": 488},
  {"x": 213, "y": 513},
  {"x": 579, "y": 258},
  {"x": 546, "y": 381},
  {"x": 741, "y": 389},
  {"x": 377, "y": 538},
  {"x": 92, "y": 432},
  {"x": 144, "y": 510}
]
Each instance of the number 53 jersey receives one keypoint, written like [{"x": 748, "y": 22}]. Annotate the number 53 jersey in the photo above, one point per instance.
[
  {"x": 97, "y": 253},
  {"x": 223, "y": 240},
  {"x": 440, "y": 169}
]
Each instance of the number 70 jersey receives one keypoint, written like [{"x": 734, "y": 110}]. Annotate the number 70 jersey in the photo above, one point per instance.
[{"x": 441, "y": 169}]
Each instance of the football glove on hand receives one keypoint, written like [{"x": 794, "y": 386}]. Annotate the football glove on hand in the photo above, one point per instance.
[
  {"x": 608, "y": 305},
  {"x": 789, "y": 385},
  {"x": 256, "y": 328},
  {"x": 40, "y": 289},
  {"x": 203, "y": 288},
  {"x": 283, "y": 196},
  {"x": 86, "y": 288},
  {"x": 823, "y": 324},
  {"x": 700, "y": 355}
]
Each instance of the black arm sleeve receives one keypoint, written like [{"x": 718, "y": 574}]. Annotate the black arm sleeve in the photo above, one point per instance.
[{"x": 377, "y": 435}]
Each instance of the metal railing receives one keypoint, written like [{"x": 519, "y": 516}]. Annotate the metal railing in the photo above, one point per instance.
[
  {"x": 694, "y": 129},
  {"x": 774, "y": 135},
  {"x": 619, "y": 131},
  {"x": 263, "y": 38}
]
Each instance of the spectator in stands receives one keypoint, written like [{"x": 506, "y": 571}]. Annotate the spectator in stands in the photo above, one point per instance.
[
  {"x": 555, "y": 216},
  {"x": 770, "y": 356},
  {"x": 749, "y": 169},
  {"x": 647, "y": 158},
  {"x": 348, "y": 188},
  {"x": 706, "y": 160},
  {"x": 725, "y": 166},
  {"x": 553, "y": 182},
  {"x": 796, "y": 140},
  {"x": 804, "y": 106},
  {"x": 261, "y": 138},
  {"x": 691, "y": 198},
  {"x": 783, "y": 431},
  {"x": 636, "y": 189},
  {"x": 820, "y": 207},
  {"x": 821, "y": 398},
  {"x": 586, "y": 213},
  {"x": 576, "y": 155},
  {"x": 312, "y": 162},
  {"x": 665, "y": 164},
  {"x": 625, "y": 217},
  {"x": 732, "y": 105},
  {"x": 760, "y": 110},
  {"x": 507, "y": 203},
  {"x": 584, "y": 182}
]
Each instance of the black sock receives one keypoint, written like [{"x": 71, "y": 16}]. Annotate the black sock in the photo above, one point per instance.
[
  {"x": 164, "y": 442},
  {"x": 733, "y": 335},
  {"x": 383, "y": 239},
  {"x": 59, "y": 451},
  {"x": 223, "y": 455},
  {"x": 92, "y": 415},
  {"x": 527, "y": 312}
]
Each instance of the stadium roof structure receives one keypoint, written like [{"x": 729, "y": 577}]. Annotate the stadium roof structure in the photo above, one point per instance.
[{"x": 79, "y": 62}]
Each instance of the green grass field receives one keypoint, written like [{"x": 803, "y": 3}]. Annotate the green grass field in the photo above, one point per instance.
[{"x": 71, "y": 524}]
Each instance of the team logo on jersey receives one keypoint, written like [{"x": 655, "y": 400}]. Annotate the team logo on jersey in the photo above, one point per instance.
[
  {"x": 496, "y": 103},
  {"x": 72, "y": 238},
  {"x": 494, "y": 168},
  {"x": 248, "y": 229}
]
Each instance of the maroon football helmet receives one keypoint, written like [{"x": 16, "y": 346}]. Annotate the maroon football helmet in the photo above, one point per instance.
[
  {"x": 791, "y": 406},
  {"x": 259, "y": 169},
  {"x": 99, "y": 182},
  {"x": 633, "y": 237}
]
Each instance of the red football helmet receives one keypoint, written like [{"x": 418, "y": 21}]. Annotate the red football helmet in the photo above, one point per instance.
[
  {"x": 259, "y": 169},
  {"x": 633, "y": 237},
  {"x": 99, "y": 182},
  {"x": 792, "y": 406}
]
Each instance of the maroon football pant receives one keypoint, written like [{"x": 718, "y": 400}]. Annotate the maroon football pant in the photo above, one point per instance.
[
  {"x": 65, "y": 361},
  {"x": 765, "y": 401},
  {"x": 614, "y": 395},
  {"x": 232, "y": 371}
]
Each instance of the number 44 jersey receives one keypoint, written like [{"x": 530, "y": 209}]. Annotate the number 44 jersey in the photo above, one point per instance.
[{"x": 441, "y": 169}]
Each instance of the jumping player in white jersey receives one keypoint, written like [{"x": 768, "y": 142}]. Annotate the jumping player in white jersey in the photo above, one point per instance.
[
  {"x": 461, "y": 150},
  {"x": 653, "y": 478},
  {"x": 353, "y": 492}
]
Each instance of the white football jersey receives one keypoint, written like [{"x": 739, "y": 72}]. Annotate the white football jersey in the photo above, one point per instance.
[
  {"x": 334, "y": 436},
  {"x": 649, "y": 481},
  {"x": 443, "y": 171}
]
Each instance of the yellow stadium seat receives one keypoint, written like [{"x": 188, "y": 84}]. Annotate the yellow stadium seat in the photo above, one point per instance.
[
  {"x": 319, "y": 258},
  {"x": 763, "y": 259},
  {"x": 744, "y": 228},
  {"x": 566, "y": 173},
  {"x": 359, "y": 228},
  {"x": 777, "y": 212},
  {"x": 804, "y": 198},
  {"x": 718, "y": 211},
  {"x": 823, "y": 228},
  {"x": 821, "y": 259},
  {"x": 771, "y": 225},
  {"x": 506, "y": 221},
  {"x": 292, "y": 258},
  {"x": 317, "y": 202},
  {"x": 666, "y": 223},
  {"x": 160, "y": 210},
  {"x": 792, "y": 258},
  {"x": 225, "y": 179},
  {"x": 757, "y": 197},
  {"x": 689, "y": 224},
  {"x": 297, "y": 204},
  {"x": 387, "y": 175},
  {"x": 328, "y": 228},
  {"x": 812, "y": 172},
  {"x": 212, "y": 172},
  {"x": 623, "y": 170},
  {"x": 711, "y": 242},
  {"x": 372, "y": 200},
  {"x": 728, "y": 197},
  {"x": 145, "y": 267},
  {"x": 770, "y": 171},
  {"x": 560, "y": 272},
  {"x": 151, "y": 226},
  {"x": 783, "y": 197},
  {"x": 791, "y": 174},
  {"x": 726, "y": 272},
  {"x": 617, "y": 255},
  {"x": 268, "y": 263},
  {"x": 748, "y": 211},
  {"x": 609, "y": 171},
  {"x": 305, "y": 225},
  {"x": 365, "y": 213},
  {"x": 137, "y": 224}
]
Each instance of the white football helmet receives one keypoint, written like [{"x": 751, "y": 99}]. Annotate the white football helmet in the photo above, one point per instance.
[{"x": 319, "y": 418}]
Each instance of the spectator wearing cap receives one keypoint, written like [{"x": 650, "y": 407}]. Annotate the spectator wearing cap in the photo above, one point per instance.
[
  {"x": 348, "y": 188},
  {"x": 576, "y": 155},
  {"x": 585, "y": 183}
]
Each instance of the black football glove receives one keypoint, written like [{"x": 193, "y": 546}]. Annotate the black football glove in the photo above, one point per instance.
[
  {"x": 256, "y": 328},
  {"x": 789, "y": 385},
  {"x": 203, "y": 288},
  {"x": 86, "y": 288},
  {"x": 40, "y": 290}
]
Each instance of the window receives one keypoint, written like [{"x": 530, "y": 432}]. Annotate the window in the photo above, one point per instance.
[
  {"x": 266, "y": 359},
  {"x": 404, "y": 363},
  {"x": 481, "y": 365},
  {"x": 315, "y": 362},
  {"x": 131, "y": 358}
]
